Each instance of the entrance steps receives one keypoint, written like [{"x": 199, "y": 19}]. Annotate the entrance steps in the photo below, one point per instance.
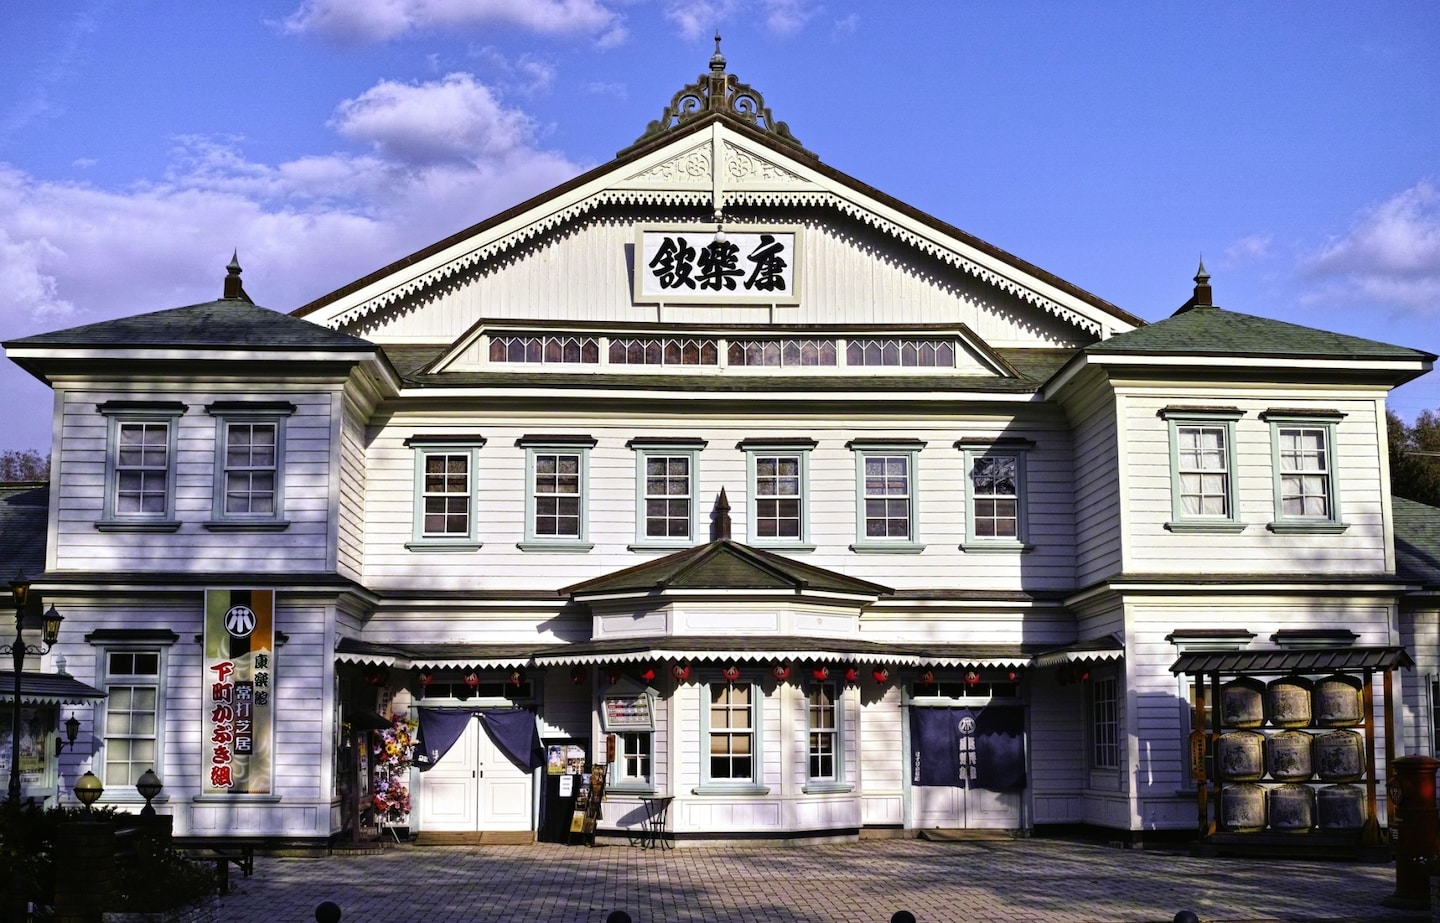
[{"x": 482, "y": 838}]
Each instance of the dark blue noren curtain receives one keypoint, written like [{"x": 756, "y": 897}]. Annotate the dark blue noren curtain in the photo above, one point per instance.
[
  {"x": 984, "y": 748},
  {"x": 514, "y": 732},
  {"x": 439, "y": 729}
]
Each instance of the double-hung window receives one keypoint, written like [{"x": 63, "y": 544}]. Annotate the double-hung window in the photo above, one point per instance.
[
  {"x": 445, "y": 492},
  {"x": 885, "y": 475},
  {"x": 995, "y": 488},
  {"x": 140, "y": 466},
  {"x": 730, "y": 730},
  {"x": 249, "y": 464},
  {"x": 130, "y": 722},
  {"x": 1307, "y": 498},
  {"x": 825, "y": 737},
  {"x": 1202, "y": 469},
  {"x": 557, "y": 474},
  {"x": 778, "y": 474},
  {"x": 665, "y": 472}
]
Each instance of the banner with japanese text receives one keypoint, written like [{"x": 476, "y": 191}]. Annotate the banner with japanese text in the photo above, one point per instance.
[{"x": 238, "y": 720}]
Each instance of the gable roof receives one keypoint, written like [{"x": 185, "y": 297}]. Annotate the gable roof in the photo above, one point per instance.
[
  {"x": 724, "y": 564},
  {"x": 736, "y": 116},
  {"x": 24, "y": 514},
  {"x": 1417, "y": 541}
]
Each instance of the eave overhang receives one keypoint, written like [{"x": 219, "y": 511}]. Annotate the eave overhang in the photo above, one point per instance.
[
  {"x": 47, "y": 689},
  {"x": 1323, "y": 660}
]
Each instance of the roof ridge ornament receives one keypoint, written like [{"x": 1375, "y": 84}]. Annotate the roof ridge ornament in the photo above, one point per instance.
[
  {"x": 720, "y": 92},
  {"x": 1204, "y": 296},
  {"x": 234, "y": 290}
]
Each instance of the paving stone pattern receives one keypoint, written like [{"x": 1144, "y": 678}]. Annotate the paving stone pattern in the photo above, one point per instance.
[{"x": 940, "y": 882}]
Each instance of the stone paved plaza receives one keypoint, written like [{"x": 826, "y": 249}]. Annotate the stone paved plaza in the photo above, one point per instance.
[{"x": 940, "y": 882}]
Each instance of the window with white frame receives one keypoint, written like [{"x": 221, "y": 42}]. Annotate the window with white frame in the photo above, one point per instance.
[
  {"x": 778, "y": 474},
  {"x": 1104, "y": 723},
  {"x": 557, "y": 471},
  {"x": 731, "y": 734},
  {"x": 140, "y": 465},
  {"x": 1202, "y": 475},
  {"x": 995, "y": 508},
  {"x": 822, "y": 722},
  {"x": 634, "y": 754},
  {"x": 665, "y": 488},
  {"x": 249, "y": 464},
  {"x": 1307, "y": 498},
  {"x": 133, "y": 715},
  {"x": 886, "y": 490},
  {"x": 445, "y": 491}
]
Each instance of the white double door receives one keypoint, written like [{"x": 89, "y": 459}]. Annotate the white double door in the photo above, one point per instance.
[
  {"x": 475, "y": 787},
  {"x": 950, "y": 808}
]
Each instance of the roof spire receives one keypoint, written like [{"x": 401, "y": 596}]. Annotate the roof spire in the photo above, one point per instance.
[
  {"x": 720, "y": 529},
  {"x": 234, "y": 291},
  {"x": 1204, "y": 297},
  {"x": 717, "y": 60}
]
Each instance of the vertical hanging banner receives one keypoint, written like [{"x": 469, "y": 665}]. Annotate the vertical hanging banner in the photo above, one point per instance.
[{"x": 238, "y": 679}]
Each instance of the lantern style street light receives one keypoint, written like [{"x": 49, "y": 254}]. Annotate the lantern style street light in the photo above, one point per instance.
[
  {"x": 88, "y": 789},
  {"x": 20, "y": 594}
]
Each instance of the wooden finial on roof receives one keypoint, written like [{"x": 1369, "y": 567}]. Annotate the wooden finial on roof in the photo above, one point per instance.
[
  {"x": 234, "y": 290},
  {"x": 1204, "y": 297},
  {"x": 720, "y": 521}
]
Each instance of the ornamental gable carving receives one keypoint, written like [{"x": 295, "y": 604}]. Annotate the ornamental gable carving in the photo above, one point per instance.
[
  {"x": 743, "y": 167},
  {"x": 693, "y": 167}
]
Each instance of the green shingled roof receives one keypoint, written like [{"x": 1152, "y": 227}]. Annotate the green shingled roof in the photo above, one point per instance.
[
  {"x": 725, "y": 565},
  {"x": 1212, "y": 331},
  {"x": 1417, "y": 541},
  {"x": 230, "y": 323}
]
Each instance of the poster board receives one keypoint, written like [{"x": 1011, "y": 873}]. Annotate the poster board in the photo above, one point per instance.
[{"x": 588, "y": 803}]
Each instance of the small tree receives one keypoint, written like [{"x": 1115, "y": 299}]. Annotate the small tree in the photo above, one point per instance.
[
  {"x": 1415, "y": 457},
  {"x": 19, "y": 465}
]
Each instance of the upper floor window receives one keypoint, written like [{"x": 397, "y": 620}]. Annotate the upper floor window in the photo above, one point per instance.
[
  {"x": 663, "y": 351},
  {"x": 995, "y": 509},
  {"x": 557, "y": 472},
  {"x": 1202, "y": 475},
  {"x": 140, "y": 465},
  {"x": 892, "y": 351},
  {"x": 249, "y": 463},
  {"x": 781, "y": 353},
  {"x": 886, "y": 492},
  {"x": 778, "y": 474},
  {"x": 1307, "y": 498},
  {"x": 445, "y": 491},
  {"x": 665, "y": 488},
  {"x": 557, "y": 349}
]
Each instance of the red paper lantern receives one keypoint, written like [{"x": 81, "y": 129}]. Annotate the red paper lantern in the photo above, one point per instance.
[
  {"x": 972, "y": 678},
  {"x": 648, "y": 674},
  {"x": 681, "y": 671},
  {"x": 927, "y": 678},
  {"x": 731, "y": 673},
  {"x": 852, "y": 675},
  {"x": 426, "y": 678},
  {"x": 614, "y": 677},
  {"x": 1013, "y": 675},
  {"x": 780, "y": 671},
  {"x": 376, "y": 674},
  {"x": 472, "y": 679},
  {"x": 516, "y": 678},
  {"x": 820, "y": 673},
  {"x": 881, "y": 674},
  {"x": 577, "y": 676}
]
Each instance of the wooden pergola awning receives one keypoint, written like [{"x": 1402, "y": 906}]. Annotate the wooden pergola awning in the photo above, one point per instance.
[{"x": 1320, "y": 660}]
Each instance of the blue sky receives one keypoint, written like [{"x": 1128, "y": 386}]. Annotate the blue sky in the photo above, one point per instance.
[{"x": 1296, "y": 146}]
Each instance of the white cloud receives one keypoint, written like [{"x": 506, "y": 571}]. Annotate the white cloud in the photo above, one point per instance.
[
  {"x": 1248, "y": 249},
  {"x": 697, "y": 18},
  {"x": 784, "y": 17},
  {"x": 846, "y": 26},
  {"x": 1389, "y": 258},
  {"x": 456, "y": 119},
  {"x": 383, "y": 20},
  {"x": 73, "y": 253}
]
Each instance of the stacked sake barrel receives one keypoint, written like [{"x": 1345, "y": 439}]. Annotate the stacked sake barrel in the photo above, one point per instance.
[{"x": 1288, "y": 755}]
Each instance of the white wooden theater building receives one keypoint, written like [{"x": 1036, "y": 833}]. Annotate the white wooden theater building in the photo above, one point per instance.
[{"x": 731, "y": 456}]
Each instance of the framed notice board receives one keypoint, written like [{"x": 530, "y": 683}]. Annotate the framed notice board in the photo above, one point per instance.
[{"x": 628, "y": 713}]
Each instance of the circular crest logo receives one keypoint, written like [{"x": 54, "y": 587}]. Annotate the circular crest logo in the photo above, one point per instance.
[
  {"x": 240, "y": 621},
  {"x": 967, "y": 725}
]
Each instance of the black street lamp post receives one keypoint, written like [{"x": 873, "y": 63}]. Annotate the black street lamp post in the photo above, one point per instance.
[{"x": 20, "y": 593}]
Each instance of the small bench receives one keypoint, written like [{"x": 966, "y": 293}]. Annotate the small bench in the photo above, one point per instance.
[{"x": 224, "y": 852}]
